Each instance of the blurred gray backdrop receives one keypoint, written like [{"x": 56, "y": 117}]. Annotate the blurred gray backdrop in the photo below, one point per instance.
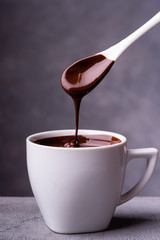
[{"x": 38, "y": 40}]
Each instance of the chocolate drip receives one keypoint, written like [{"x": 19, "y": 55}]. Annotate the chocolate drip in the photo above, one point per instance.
[{"x": 82, "y": 77}]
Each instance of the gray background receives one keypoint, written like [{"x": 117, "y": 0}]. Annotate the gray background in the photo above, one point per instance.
[{"x": 38, "y": 40}]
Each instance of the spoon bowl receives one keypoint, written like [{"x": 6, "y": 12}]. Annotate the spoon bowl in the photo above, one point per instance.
[{"x": 82, "y": 76}]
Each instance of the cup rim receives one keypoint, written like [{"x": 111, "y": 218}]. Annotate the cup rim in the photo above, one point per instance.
[{"x": 30, "y": 139}]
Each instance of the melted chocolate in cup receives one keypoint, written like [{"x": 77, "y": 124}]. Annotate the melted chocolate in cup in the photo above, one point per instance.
[
  {"x": 82, "y": 77},
  {"x": 84, "y": 141}
]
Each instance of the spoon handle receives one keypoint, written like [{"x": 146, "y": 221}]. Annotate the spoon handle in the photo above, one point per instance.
[{"x": 115, "y": 51}]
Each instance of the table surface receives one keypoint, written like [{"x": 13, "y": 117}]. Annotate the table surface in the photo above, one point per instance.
[{"x": 139, "y": 218}]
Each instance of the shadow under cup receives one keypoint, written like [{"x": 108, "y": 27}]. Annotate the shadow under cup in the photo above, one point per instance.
[{"x": 78, "y": 189}]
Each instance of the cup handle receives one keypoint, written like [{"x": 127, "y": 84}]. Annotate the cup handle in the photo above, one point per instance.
[{"x": 151, "y": 155}]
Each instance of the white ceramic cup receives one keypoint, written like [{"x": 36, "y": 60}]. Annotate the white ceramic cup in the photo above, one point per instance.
[{"x": 78, "y": 189}]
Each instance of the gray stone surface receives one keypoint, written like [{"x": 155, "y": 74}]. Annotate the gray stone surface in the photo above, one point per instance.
[
  {"x": 38, "y": 40},
  {"x": 138, "y": 219}
]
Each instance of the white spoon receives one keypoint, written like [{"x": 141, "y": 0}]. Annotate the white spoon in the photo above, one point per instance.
[
  {"x": 82, "y": 76},
  {"x": 115, "y": 51}
]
